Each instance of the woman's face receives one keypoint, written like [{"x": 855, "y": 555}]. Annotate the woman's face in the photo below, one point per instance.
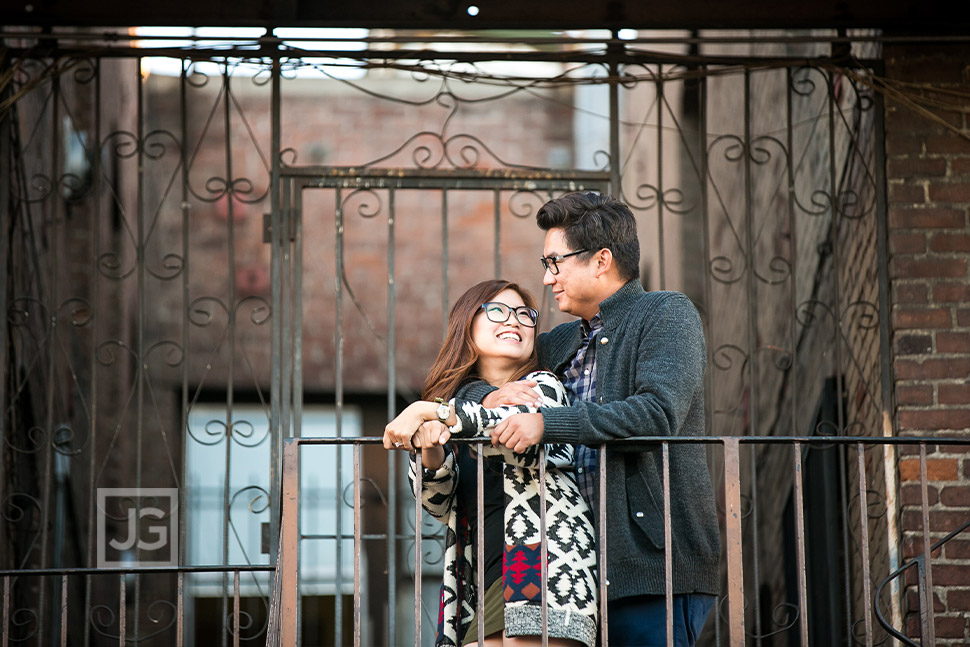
[{"x": 509, "y": 340}]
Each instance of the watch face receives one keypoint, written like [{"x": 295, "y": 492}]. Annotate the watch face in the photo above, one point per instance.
[{"x": 444, "y": 412}]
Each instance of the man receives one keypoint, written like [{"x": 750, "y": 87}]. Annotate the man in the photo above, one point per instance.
[{"x": 634, "y": 364}]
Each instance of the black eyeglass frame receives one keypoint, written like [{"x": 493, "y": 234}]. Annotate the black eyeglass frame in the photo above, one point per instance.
[
  {"x": 551, "y": 263},
  {"x": 531, "y": 314}
]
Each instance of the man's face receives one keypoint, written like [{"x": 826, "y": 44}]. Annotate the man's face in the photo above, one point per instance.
[{"x": 575, "y": 286}]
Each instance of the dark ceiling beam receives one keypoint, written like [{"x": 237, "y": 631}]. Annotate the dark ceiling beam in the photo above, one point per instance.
[{"x": 907, "y": 16}]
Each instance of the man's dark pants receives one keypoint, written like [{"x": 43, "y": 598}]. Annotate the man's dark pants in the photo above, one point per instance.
[{"x": 640, "y": 621}]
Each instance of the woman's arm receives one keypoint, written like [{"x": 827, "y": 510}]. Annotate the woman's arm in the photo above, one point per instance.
[{"x": 475, "y": 419}]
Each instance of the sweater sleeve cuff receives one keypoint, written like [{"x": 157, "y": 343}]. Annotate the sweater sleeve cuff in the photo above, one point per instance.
[
  {"x": 561, "y": 425},
  {"x": 475, "y": 392}
]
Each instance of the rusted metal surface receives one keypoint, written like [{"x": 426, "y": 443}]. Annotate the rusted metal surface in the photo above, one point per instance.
[{"x": 732, "y": 531}]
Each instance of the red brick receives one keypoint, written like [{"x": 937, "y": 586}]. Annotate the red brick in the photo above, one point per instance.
[
  {"x": 950, "y": 574},
  {"x": 958, "y": 600},
  {"x": 963, "y": 317},
  {"x": 928, "y": 268},
  {"x": 926, "y": 217},
  {"x": 903, "y": 144},
  {"x": 949, "y": 142},
  {"x": 960, "y": 165},
  {"x": 906, "y": 193},
  {"x": 951, "y": 292},
  {"x": 957, "y": 549},
  {"x": 947, "y": 626},
  {"x": 937, "y": 469},
  {"x": 935, "y": 419},
  {"x": 910, "y": 293},
  {"x": 907, "y": 243},
  {"x": 923, "y": 318},
  {"x": 952, "y": 394},
  {"x": 913, "y": 344},
  {"x": 955, "y": 496},
  {"x": 948, "y": 521},
  {"x": 950, "y": 243},
  {"x": 953, "y": 342},
  {"x": 912, "y": 494},
  {"x": 954, "y": 368},
  {"x": 916, "y": 394},
  {"x": 907, "y": 167}
]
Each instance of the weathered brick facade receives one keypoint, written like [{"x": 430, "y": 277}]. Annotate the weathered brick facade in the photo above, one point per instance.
[{"x": 928, "y": 172}]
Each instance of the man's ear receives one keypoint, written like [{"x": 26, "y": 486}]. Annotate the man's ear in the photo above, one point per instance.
[{"x": 604, "y": 261}]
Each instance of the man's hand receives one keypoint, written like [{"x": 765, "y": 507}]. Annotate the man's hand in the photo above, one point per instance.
[
  {"x": 519, "y": 432},
  {"x": 512, "y": 393}
]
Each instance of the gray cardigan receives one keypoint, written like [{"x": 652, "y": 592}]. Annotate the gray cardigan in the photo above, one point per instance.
[{"x": 650, "y": 362}]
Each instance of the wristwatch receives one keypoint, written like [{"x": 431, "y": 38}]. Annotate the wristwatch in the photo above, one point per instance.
[{"x": 443, "y": 411}]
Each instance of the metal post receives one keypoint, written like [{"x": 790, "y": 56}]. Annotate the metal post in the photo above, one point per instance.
[{"x": 732, "y": 522}]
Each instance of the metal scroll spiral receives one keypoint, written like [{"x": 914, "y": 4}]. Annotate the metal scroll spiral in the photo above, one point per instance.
[
  {"x": 783, "y": 617},
  {"x": 161, "y": 615}
]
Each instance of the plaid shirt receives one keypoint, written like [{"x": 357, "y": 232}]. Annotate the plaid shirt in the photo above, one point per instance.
[{"x": 580, "y": 380}]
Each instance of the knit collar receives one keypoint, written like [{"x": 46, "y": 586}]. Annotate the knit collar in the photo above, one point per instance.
[{"x": 614, "y": 307}]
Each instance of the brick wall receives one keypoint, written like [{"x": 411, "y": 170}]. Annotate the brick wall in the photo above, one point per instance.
[{"x": 928, "y": 170}]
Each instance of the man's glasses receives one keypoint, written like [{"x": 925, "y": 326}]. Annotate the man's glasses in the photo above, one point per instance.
[
  {"x": 551, "y": 263},
  {"x": 499, "y": 313}
]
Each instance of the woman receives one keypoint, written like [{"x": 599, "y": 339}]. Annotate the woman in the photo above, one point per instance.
[{"x": 491, "y": 337}]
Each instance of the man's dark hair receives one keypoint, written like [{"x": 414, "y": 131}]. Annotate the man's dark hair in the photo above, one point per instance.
[{"x": 592, "y": 221}]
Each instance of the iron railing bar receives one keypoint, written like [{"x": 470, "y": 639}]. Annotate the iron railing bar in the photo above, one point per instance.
[
  {"x": 63, "y": 611},
  {"x": 864, "y": 543},
  {"x": 230, "y": 337},
  {"x": 99, "y": 182},
  {"x": 890, "y": 456},
  {"x": 48, "y": 416},
  {"x": 833, "y": 240},
  {"x": 290, "y": 545},
  {"x": 655, "y": 441},
  {"x": 480, "y": 542},
  {"x": 357, "y": 546},
  {"x": 497, "y": 229},
  {"x": 122, "y": 611},
  {"x": 278, "y": 323},
  {"x": 668, "y": 551},
  {"x": 800, "y": 545},
  {"x": 144, "y": 570},
  {"x": 543, "y": 550},
  {"x": 927, "y": 625},
  {"x": 601, "y": 544},
  {"x": 732, "y": 526},
  {"x": 5, "y": 193},
  {"x": 180, "y": 610},
  {"x": 235, "y": 609},
  {"x": 393, "y": 458},
  {"x": 339, "y": 401},
  {"x": 418, "y": 483},
  {"x": 444, "y": 264},
  {"x": 752, "y": 343},
  {"x": 659, "y": 102},
  {"x": 5, "y": 629},
  {"x": 542, "y": 177}
]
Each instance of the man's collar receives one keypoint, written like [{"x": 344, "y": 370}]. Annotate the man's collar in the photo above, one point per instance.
[{"x": 613, "y": 307}]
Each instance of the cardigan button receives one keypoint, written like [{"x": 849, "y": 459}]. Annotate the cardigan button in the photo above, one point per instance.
[
  {"x": 604, "y": 341},
  {"x": 639, "y": 515}
]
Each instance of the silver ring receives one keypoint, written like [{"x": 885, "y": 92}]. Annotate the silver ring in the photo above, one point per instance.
[{"x": 399, "y": 444}]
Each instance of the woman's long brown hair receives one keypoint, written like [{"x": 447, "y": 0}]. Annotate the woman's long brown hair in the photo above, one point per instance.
[{"x": 458, "y": 358}]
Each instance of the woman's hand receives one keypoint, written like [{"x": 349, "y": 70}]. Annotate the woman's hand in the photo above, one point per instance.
[
  {"x": 398, "y": 432},
  {"x": 430, "y": 438}
]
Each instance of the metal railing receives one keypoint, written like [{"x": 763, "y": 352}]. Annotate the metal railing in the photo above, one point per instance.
[{"x": 735, "y": 633}]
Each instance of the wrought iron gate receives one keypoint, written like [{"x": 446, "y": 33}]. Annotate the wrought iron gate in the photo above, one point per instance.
[{"x": 206, "y": 260}]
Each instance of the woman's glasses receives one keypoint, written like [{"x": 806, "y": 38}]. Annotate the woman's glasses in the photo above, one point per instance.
[{"x": 498, "y": 312}]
